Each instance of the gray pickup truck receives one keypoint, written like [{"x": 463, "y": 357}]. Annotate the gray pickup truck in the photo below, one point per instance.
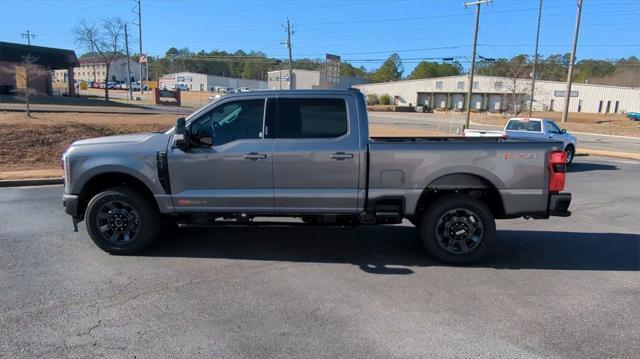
[{"x": 307, "y": 154}]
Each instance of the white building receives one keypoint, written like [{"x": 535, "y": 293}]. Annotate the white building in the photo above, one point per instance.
[
  {"x": 94, "y": 69},
  {"x": 203, "y": 82},
  {"x": 308, "y": 79},
  {"x": 491, "y": 93}
]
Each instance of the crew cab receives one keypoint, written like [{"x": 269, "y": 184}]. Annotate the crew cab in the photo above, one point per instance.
[
  {"x": 308, "y": 154},
  {"x": 532, "y": 129}
]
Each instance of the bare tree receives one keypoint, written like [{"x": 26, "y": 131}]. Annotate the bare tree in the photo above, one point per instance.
[
  {"x": 25, "y": 72},
  {"x": 106, "y": 40},
  {"x": 516, "y": 69}
]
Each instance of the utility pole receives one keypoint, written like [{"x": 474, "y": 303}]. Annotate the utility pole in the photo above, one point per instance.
[
  {"x": 567, "y": 95},
  {"x": 93, "y": 62},
  {"x": 28, "y": 35},
  {"x": 473, "y": 56},
  {"x": 289, "y": 30},
  {"x": 140, "y": 42},
  {"x": 126, "y": 44},
  {"x": 535, "y": 61}
]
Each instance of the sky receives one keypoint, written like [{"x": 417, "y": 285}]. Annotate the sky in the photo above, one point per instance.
[{"x": 363, "y": 32}]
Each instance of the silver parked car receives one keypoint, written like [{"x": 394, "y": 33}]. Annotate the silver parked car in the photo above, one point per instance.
[{"x": 532, "y": 129}]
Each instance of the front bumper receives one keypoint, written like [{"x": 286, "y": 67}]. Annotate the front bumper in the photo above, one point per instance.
[
  {"x": 559, "y": 204},
  {"x": 70, "y": 204}
]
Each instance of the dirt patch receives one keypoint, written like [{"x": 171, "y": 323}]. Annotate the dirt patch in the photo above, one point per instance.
[
  {"x": 392, "y": 131},
  {"x": 38, "y": 143}
]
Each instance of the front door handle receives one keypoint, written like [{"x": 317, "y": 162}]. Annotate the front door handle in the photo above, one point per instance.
[
  {"x": 341, "y": 156},
  {"x": 254, "y": 156}
]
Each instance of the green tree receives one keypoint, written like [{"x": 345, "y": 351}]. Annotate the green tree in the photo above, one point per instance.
[
  {"x": 391, "y": 70},
  {"x": 346, "y": 69},
  {"x": 426, "y": 69}
]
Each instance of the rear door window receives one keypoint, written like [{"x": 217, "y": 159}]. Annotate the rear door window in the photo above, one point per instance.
[{"x": 311, "y": 118}]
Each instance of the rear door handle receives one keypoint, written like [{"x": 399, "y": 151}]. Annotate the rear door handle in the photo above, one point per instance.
[
  {"x": 341, "y": 156},
  {"x": 254, "y": 156}
]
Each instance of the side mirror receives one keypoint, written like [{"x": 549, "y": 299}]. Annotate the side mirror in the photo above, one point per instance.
[
  {"x": 563, "y": 131},
  {"x": 180, "y": 135}
]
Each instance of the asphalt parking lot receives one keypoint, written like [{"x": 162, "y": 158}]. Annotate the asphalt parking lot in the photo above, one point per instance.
[{"x": 565, "y": 287}]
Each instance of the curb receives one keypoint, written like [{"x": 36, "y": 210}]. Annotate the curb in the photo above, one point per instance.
[
  {"x": 605, "y": 153},
  {"x": 31, "y": 182}
]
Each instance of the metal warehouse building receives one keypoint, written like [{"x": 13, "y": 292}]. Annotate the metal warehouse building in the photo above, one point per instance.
[
  {"x": 491, "y": 93},
  {"x": 204, "y": 82},
  {"x": 309, "y": 79}
]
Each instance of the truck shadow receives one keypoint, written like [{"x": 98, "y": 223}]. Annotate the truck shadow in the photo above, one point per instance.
[
  {"x": 397, "y": 249},
  {"x": 587, "y": 166}
]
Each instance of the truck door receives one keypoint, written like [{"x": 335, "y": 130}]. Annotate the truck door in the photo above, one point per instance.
[
  {"x": 316, "y": 158},
  {"x": 235, "y": 174}
]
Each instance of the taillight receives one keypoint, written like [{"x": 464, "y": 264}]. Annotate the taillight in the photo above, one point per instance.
[{"x": 557, "y": 170}]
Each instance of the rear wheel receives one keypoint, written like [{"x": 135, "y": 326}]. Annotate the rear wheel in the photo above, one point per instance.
[
  {"x": 457, "y": 229},
  {"x": 121, "y": 221},
  {"x": 571, "y": 152}
]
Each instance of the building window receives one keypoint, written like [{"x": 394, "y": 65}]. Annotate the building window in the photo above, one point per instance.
[
  {"x": 475, "y": 85},
  {"x": 580, "y": 106},
  {"x": 498, "y": 85},
  {"x": 600, "y": 106},
  {"x": 439, "y": 85},
  {"x": 608, "y": 106},
  {"x": 615, "y": 109},
  {"x": 460, "y": 85}
]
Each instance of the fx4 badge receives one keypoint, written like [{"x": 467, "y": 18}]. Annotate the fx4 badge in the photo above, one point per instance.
[{"x": 519, "y": 156}]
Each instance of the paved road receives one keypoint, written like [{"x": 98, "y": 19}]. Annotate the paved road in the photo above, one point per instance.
[
  {"x": 451, "y": 122},
  {"x": 566, "y": 287}
]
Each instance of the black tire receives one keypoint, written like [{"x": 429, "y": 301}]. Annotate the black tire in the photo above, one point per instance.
[
  {"x": 129, "y": 219},
  {"x": 571, "y": 153},
  {"x": 466, "y": 214}
]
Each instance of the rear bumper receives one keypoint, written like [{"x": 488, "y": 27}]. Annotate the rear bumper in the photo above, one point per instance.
[
  {"x": 559, "y": 204},
  {"x": 70, "y": 204}
]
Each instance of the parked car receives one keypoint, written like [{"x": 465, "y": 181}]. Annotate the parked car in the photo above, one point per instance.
[
  {"x": 182, "y": 87},
  {"x": 102, "y": 85},
  {"x": 213, "y": 98},
  {"x": 244, "y": 89},
  {"x": 135, "y": 86},
  {"x": 633, "y": 116},
  {"x": 532, "y": 129},
  {"x": 308, "y": 154}
]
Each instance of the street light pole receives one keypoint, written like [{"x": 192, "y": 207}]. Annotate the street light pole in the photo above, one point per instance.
[
  {"x": 567, "y": 95},
  {"x": 473, "y": 56},
  {"x": 535, "y": 62}
]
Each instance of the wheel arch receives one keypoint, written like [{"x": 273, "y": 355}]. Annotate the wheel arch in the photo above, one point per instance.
[
  {"x": 466, "y": 183},
  {"x": 105, "y": 180}
]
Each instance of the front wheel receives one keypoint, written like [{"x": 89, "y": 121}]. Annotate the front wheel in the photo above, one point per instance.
[
  {"x": 571, "y": 152},
  {"x": 121, "y": 221},
  {"x": 458, "y": 229}
]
